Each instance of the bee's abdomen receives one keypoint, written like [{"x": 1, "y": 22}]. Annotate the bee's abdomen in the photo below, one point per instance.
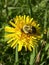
[{"x": 33, "y": 30}]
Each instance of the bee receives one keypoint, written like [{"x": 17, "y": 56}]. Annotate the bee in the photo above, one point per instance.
[{"x": 29, "y": 29}]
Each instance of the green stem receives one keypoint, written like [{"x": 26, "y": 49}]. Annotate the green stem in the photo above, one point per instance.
[
  {"x": 45, "y": 25},
  {"x": 29, "y": 4},
  {"x": 32, "y": 57},
  {"x": 16, "y": 56},
  {"x": 45, "y": 17}
]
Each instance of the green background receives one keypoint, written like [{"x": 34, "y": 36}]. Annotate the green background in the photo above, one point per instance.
[{"x": 39, "y": 10}]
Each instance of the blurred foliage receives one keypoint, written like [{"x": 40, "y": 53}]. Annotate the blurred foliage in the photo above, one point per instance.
[{"x": 39, "y": 10}]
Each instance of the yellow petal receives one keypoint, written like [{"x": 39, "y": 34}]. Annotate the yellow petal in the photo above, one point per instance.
[
  {"x": 38, "y": 25},
  {"x": 12, "y": 45},
  {"x": 11, "y": 39},
  {"x": 33, "y": 37},
  {"x": 12, "y": 24},
  {"x": 31, "y": 20},
  {"x": 20, "y": 17},
  {"x": 24, "y": 17},
  {"x": 9, "y": 35},
  {"x": 9, "y": 29},
  {"x": 20, "y": 45},
  {"x": 29, "y": 48},
  {"x": 33, "y": 23},
  {"x": 27, "y": 19}
]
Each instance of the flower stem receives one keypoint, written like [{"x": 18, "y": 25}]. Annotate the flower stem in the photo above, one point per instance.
[
  {"x": 45, "y": 17},
  {"x": 16, "y": 56},
  {"x": 32, "y": 57},
  {"x": 45, "y": 25}
]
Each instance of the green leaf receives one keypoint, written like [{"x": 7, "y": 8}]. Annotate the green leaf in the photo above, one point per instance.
[
  {"x": 47, "y": 47},
  {"x": 42, "y": 57},
  {"x": 42, "y": 63}
]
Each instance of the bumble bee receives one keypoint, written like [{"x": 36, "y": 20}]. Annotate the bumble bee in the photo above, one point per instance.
[{"x": 29, "y": 29}]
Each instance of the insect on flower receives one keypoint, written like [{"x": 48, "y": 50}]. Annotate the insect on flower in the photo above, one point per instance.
[{"x": 29, "y": 29}]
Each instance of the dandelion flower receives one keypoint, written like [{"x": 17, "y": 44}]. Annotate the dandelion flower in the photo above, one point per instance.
[{"x": 24, "y": 32}]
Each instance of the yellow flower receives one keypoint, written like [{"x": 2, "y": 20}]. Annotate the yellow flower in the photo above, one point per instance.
[{"x": 24, "y": 32}]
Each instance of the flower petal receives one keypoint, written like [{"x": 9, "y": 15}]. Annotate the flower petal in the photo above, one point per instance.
[{"x": 9, "y": 29}]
